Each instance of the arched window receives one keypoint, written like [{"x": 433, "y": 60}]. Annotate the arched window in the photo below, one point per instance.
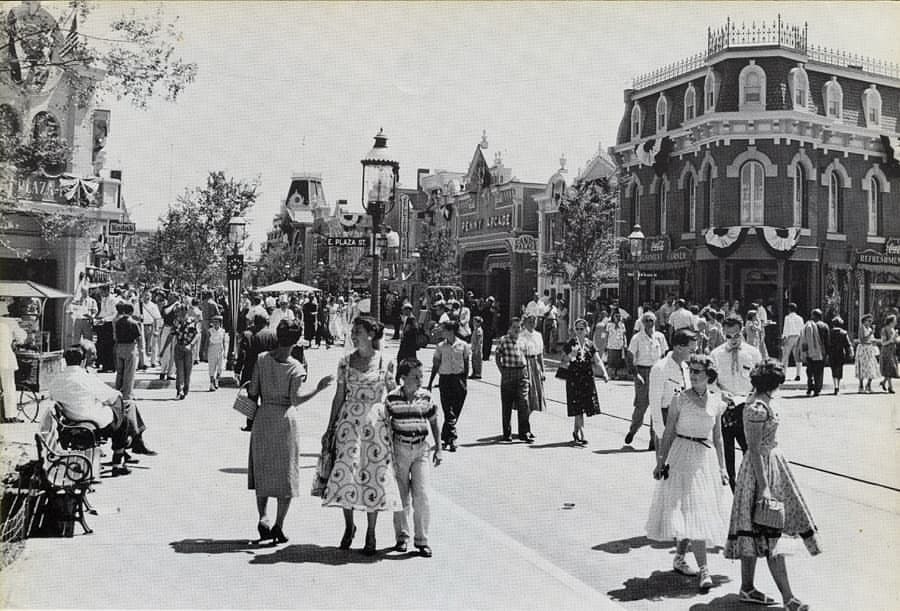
[
  {"x": 799, "y": 82},
  {"x": 45, "y": 125},
  {"x": 636, "y": 121},
  {"x": 662, "y": 114},
  {"x": 708, "y": 198},
  {"x": 690, "y": 103},
  {"x": 752, "y": 193},
  {"x": 711, "y": 91},
  {"x": 690, "y": 204},
  {"x": 635, "y": 206},
  {"x": 662, "y": 207},
  {"x": 835, "y": 205},
  {"x": 752, "y": 87},
  {"x": 874, "y": 224},
  {"x": 872, "y": 106},
  {"x": 834, "y": 99},
  {"x": 801, "y": 197}
]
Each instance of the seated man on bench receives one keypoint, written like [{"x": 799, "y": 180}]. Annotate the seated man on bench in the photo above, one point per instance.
[{"x": 84, "y": 397}]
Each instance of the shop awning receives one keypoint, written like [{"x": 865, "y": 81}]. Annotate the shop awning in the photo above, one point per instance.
[
  {"x": 288, "y": 286},
  {"x": 27, "y": 288}
]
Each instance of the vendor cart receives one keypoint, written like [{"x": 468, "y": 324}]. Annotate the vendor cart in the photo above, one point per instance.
[{"x": 36, "y": 362}]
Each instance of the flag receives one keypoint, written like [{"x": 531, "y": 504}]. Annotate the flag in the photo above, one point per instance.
[
  {"x": 646, "y": 151},
  {"x": 661, "y": 159},
  {"x": 15, "y": 70},
  {"x": 71, "y": 39}
]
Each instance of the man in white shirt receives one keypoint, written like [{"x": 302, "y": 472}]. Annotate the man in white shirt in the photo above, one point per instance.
[
  {"x": 151, "y": 324},
  {"x": 105, "y": 342},
  {"x": 646, "y": 347},
  {"x": 790, "y": 339},
  {"x": 669, "y": 377},
  {"x": 734, "y": 360},
  {"x": 681, "y": 318},
  {"x": 282, "y": 312},
  {"x": 534, "y": 307},
  {"x": 84, "y": 397}
]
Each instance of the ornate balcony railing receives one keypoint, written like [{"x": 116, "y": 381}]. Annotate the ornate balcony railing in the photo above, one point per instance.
[
  {"x": 836, "y": 57},
  {"x": 777, "y": 33},
  {"x": 675, "y": 69}
]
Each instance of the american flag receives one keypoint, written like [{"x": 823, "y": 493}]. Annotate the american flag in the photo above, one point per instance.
[{"x": 71, "y": 40}]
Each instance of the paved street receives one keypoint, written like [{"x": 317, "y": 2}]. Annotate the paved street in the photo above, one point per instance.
[{"x": 513, "y": 526}]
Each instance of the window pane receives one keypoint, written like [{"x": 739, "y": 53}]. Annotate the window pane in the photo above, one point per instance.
[{"x": 873, "y": 207}]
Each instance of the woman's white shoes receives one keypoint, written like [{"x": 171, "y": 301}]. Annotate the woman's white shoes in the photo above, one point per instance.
[
  {"x": 706, "y": 581},
  {"x": 681, "y": 566}
]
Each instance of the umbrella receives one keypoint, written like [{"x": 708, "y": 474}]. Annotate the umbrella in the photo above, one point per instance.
[
  {"x": 288, "y": 286},
  {"x": 27, "y": 288}
]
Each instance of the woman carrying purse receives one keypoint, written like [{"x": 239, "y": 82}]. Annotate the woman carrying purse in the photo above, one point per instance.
[
  {"x": 765, "y": 489},
  {"x": 580, "y": 361}
]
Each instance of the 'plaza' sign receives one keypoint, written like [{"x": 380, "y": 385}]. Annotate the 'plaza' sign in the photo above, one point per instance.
[
  {"x": 119, "y": 228},
  {"x": 354, "y": 241},
  {"x": 38, "y": 188}
]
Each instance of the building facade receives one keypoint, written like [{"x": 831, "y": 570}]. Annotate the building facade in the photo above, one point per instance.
[
  {"x": 61, "y": 210},
  {"x": 761, "y": 170}
]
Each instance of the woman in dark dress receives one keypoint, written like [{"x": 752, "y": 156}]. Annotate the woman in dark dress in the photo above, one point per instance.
[
  {"x": 840, "y": 352},
  {"x": 580, "y": 360},
  {"x": 488, "y": 315}
]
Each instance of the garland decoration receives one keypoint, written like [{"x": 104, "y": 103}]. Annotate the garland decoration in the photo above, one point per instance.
[
  {"x": 779, "y": 241},
  {"x": 722, "y": 241}
]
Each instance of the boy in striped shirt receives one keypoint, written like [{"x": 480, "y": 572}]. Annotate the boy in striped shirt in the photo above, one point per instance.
[{"x": 412, "y": 414}]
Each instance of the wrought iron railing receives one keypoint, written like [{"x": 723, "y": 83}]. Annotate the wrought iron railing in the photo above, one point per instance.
[{"x": 777, "y": 33}]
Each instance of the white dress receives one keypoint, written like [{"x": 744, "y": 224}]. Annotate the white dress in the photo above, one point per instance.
[{"x": 692, "y": 503}]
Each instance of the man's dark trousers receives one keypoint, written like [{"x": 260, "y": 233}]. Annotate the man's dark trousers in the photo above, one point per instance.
[
  {"x": 514, "y": 384},
  {"x": 815, "y": 370},
  {"x": 730, "y": 434},
  {"x": 453, "y": 395}
]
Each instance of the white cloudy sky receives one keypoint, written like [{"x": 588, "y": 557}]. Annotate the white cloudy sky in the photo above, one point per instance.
[{"x": 304, "y": 86}]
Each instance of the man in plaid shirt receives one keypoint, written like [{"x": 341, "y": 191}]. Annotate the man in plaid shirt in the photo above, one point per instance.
[{"x": 514, "y": 382}]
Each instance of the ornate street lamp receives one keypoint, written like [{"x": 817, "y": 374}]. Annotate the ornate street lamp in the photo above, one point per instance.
[
  {"x": 379, "y": 181},
  {"x": 636, "y": 245},
  {"x": 234, "y": 266}
]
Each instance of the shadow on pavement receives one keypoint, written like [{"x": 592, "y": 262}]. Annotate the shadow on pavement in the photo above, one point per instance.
[
  {"x": 623, "y": 546},
  {"x": 661, "y": 585},
  {"x": 484, "y": 441},
  {"x": 729, "y": 601},
  {"x": 308, "y": 552},
  {"x": 216, "y": 546},
  {"x": 234, "y": 470},
  {"x": 622, "y": 450},
  {"x": 557, "y": 444}
]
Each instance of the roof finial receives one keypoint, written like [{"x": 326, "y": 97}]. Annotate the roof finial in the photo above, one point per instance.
[
  {"x": 562, "y": 164},
  {"x": 484, "y": 142}
]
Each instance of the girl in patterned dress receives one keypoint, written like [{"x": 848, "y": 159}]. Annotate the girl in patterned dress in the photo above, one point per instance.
[
  {"x": 867, "y": 355},
  {"x": 363, "y": 474},
  {"x": 765, "y": 474}
]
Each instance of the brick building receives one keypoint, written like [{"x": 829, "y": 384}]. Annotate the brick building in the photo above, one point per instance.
[{"x": 761, "y": 169}]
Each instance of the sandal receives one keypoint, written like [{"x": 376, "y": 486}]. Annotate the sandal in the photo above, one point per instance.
[
  {"x": 755, "y": 597},
  {"x": 795, "y": 605}
]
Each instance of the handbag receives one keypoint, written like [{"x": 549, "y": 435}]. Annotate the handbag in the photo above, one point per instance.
[
  {"x": 562, "y": 372},
  {"x": 769, "y": 513},
  {"x": 324, "y": 465},
  {"x": 244, "y": 404}
]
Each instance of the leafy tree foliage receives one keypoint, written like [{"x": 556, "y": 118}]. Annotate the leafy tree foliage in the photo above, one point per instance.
[
  {"x": 280, "y": 261},
  {"x": 585, "y": 253},
  {"x": 438, "y": 257},
  {"x": 193, "y": 235}
]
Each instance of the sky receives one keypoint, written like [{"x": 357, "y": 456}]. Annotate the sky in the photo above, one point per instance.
[{"x": 286, "y": 87}]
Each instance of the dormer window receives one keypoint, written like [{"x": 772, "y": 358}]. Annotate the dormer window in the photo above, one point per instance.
[
  {"x": 711, "y": 91},
  {"x": 834, "y": 99},
  {"x": 752, "y": 87},
  {"x": 799, "y": 82},
  {"x": 872, "y": 106},
  {"x": 690, "y": 103},
  {"x": 636, "y": 121},
  {"x": 662, "y": 113}
]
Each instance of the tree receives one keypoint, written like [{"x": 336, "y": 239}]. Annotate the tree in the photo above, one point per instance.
[
  {"x": 193, "y": 235},
  {"x": 280, "y": 261},
  {"x": 438, "y": 257},
  {"x": 586, "y": 252}
]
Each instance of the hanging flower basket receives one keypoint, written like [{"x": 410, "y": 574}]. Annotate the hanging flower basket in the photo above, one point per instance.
[{"x": 49, "y": 156}]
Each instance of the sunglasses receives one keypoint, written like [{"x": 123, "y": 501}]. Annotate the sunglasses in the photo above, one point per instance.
[
  {"x": 697, "y": 371},
  {"x": 732, "y": 335}
]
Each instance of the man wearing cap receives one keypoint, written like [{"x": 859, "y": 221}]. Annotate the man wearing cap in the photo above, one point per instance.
[{"x": 451, "y": 361}]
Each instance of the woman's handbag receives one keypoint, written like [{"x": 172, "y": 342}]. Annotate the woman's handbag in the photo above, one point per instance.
[
  {"x": 244, "y": 404},
  {"x": 324, "y": 465},
  {"x": 769, "y": 512},
  {"x": 562, "y": 372}
]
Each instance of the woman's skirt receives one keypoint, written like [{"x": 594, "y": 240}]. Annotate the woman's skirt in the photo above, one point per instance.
[
  {"x": 748, "y": 539},
  {"x": 889, "y": 361},
  {"x": 274, "y": 468},
  {"x": 614, "y": 359},
  {"x": 692, "y": 503},
  {"x": 581, "y": 394},
  {"x": 536, "y": 400},
  {"x": 867, "y": 366}
]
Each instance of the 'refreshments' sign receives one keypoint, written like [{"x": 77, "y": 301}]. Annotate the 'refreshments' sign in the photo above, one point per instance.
[
  {"x": 119, "y": 228},
  {"x": 872, "y": 257},
  {"x": 892, "y": 246}
]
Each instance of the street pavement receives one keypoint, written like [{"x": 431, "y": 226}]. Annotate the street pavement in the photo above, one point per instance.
[{"x": 540, "y": 526}]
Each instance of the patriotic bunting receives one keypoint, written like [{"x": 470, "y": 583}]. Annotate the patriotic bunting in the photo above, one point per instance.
[
  {"x": 723, "y": 241},
  {"x": 779, "y": 241}
]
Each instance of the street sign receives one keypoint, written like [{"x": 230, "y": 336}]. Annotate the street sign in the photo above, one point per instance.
[
  {"x": 348, "y": 242},
  {"x": 117, "y": 228}
]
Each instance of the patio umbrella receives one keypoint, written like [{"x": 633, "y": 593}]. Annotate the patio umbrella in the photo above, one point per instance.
[{"x": 288, "y": 286}]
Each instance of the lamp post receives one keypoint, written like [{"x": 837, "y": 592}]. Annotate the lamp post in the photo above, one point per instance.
[
  {"x": 636, "y": 245},
  {"x": 234, "y": 265},
  {"x": 379, "y": 180}
]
